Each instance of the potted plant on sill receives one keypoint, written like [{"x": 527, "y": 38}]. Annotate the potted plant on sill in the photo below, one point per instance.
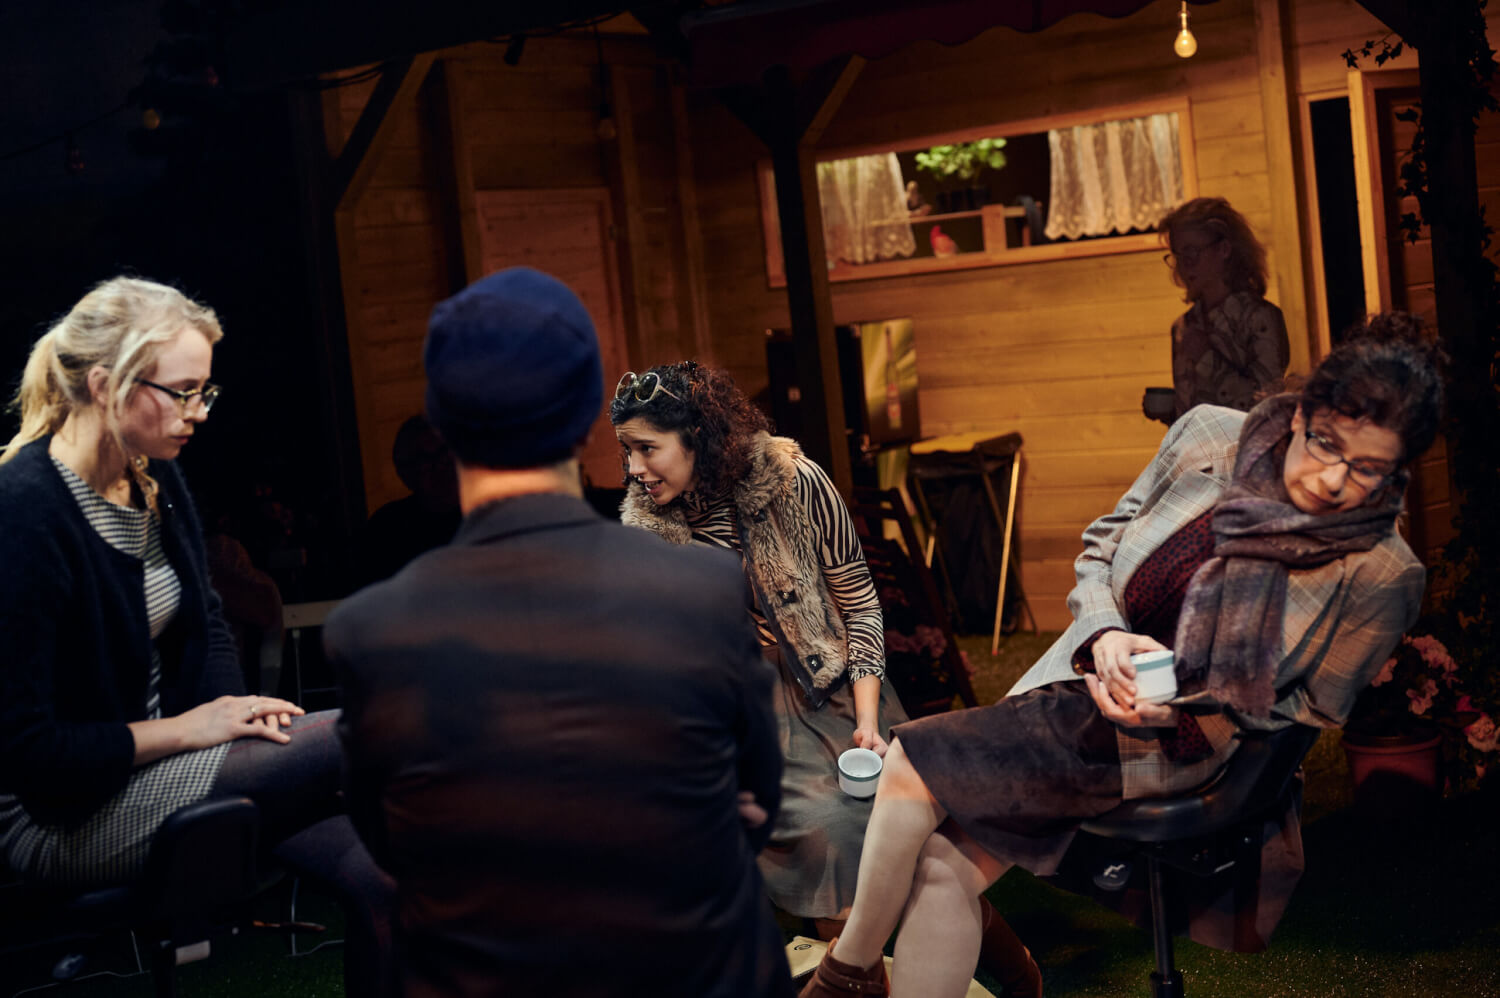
[{"x": 962, "y": 162}]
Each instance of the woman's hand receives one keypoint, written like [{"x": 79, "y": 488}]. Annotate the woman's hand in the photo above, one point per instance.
[
  {"x": 868, "y": 736},
  {"x": 229, "y": 718},
  {"x": 213, "y": 723},
  {"x": 1112, "y": 653},
  {"x": 1145, "y": 715},
  {"x": 752, "y": 815}
]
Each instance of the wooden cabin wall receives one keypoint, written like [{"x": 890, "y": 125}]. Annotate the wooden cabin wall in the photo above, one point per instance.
[
  {"x": 480, "y": 125},
  {"x": 1059, "y": 351},
  {"x": 1319, "y": 32}
]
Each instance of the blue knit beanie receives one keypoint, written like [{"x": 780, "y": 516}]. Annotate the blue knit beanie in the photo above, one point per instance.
[{"x": 513, "y": 372}]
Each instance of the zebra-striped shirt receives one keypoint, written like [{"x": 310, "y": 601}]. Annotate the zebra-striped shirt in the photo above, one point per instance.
[{"x": 714, "y": 521}]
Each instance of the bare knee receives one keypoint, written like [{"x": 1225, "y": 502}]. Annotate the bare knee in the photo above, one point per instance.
[
  {"x": 936, "y": 869},
  {"x": 899, "y": 778}
]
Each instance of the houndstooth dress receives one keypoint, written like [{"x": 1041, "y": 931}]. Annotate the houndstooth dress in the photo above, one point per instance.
[{"x": 110, "y": 845}]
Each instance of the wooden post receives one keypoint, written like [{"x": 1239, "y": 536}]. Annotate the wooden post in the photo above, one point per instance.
[
  {"x": 790, "y": 119},
  {"x": 338, "y": 438},
  {"x": 1282, "y": 161},
  {"x": 623, "y": 169},
  {"x": 356, "y": 163},
  {"x": 1459, "y": 272},
  {"x": 444, "y": 94},
  {"x": 692, "y": 298}
]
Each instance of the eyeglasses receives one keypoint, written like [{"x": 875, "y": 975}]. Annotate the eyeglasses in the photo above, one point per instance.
[
  {"x": 644, "y": 387},
  {"x": 1188, "y": 254},
  {"x": 1370, "y": 475},
  {"x": 208, "y": 395}
]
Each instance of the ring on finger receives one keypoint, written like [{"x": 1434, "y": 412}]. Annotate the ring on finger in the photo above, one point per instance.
[{"x": 254, "y": 710}]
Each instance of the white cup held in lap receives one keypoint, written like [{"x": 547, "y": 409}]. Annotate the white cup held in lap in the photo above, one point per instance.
[
  {"x": 859, "y": 772},
  {"x": 1155, "y": 678}
]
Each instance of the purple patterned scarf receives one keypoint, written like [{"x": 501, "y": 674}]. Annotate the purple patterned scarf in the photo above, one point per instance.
[{"x": 1230, "y": 629}]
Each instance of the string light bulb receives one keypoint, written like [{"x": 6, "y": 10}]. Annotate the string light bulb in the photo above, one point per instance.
[{"x": 1186, "y": 44}]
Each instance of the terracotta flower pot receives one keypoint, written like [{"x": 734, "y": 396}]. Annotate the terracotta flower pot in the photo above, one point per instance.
[{"x": 1392, "y": 772}]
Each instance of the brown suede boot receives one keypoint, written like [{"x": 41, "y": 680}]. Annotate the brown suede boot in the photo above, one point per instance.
[
  {"x": 1004, "y": 958},
  {"x": 836, "y": 979}
]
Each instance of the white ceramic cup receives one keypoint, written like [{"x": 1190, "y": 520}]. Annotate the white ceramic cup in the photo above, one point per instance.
[
  {"x": 1155, "y": 679},
  {"x": 859, "y": 772}
]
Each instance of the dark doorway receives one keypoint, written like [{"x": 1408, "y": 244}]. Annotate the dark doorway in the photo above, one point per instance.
[{"x": 1338, "y": 214}]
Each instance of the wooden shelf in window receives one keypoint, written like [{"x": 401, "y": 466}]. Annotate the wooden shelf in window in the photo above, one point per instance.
[{"x": 1007, "y": 210}]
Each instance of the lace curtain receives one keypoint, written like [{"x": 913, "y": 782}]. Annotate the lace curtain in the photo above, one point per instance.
[
  {"x": 1114, "y": 176},
  {"x": 864, "y": 209}
]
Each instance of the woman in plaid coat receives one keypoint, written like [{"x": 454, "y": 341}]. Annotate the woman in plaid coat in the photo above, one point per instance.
[{"x": 1262, "y": 549}]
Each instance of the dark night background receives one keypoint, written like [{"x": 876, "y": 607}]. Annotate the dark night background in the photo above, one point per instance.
[{"x": 210, "y": 202}]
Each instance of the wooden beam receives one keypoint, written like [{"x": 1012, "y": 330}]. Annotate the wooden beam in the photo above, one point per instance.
[
  {"x": 1396, "y": 15},
  {"x": 820, "y": 95},
  {"x": 444, "y": 92},
  {"x": 1452, "y": 212},
  {"x": 1283, "y": 155},
  {"x": 630, "y": 241},
  {"x": 794, "y": 113},
  {"x": 334, "y": 410},
  {"x": 399, "y": 82},
  {"x": 692, "y": 297}
]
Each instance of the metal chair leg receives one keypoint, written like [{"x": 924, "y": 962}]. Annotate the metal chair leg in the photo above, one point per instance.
[{"x": 1166, "y": 980}]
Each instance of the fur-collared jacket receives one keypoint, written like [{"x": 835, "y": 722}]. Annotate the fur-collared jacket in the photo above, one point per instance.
[{"x": 781, "y": 546}]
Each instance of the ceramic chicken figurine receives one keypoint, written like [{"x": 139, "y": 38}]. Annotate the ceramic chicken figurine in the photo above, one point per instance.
[{"x": 942, "y": 244}]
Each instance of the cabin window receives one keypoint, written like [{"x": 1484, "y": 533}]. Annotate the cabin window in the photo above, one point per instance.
[{"x": 1048, "y": 188}]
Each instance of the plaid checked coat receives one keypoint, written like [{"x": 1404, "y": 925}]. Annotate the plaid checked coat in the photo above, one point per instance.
[{"x": 1342, "y": 619}]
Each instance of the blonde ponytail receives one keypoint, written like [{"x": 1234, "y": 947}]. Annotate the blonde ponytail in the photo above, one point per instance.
[{"x": 121, "y": 325}]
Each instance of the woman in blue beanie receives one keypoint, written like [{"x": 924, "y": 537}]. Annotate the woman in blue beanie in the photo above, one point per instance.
[{"x": 121, "y": 695}]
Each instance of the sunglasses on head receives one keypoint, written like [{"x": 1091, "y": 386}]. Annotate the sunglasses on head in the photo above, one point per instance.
[{"x": 644, "y": 387}]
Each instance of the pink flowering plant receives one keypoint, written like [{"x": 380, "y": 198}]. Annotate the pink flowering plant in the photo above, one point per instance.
[{"x": 1422, "y": 689}]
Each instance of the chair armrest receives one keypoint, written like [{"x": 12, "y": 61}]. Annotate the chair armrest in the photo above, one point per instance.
[{"x": 204, "y": 856}]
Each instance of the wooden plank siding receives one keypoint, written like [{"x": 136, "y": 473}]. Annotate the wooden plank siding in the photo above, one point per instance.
[
  {"x": 1060, "y": 350},
  {"x": 1320, "y": 30},
  {"x": 530, "y": 127},
  {"x": 1056, "y": 350}
]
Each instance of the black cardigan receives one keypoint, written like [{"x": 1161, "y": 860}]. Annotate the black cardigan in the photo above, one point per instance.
[{"x": 75, "y": 645}]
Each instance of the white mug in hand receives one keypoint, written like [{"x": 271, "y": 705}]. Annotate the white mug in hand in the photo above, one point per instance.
[
  {"x": 1155, "y": 678},
  {"x": 859, "y": 772}
]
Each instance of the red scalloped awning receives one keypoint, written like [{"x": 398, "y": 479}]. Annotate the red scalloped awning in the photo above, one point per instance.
[{"x": 737, "y": 43}]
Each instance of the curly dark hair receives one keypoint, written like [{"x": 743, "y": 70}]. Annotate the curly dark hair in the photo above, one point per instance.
[
  {"x": 1245, "y": 270},
  {"x": 707, "y": 410},
  {"x": 1385, "y": 370}
]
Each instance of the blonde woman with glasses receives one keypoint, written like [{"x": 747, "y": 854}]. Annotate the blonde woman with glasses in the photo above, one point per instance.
[{"x": 121, "y": 696}]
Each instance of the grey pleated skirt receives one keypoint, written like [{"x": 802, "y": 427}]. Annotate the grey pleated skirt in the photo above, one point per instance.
[{"x": 812, "y": 859}]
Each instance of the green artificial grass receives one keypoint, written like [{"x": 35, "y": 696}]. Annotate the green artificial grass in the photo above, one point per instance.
[{"x": 1405, "y": 903}]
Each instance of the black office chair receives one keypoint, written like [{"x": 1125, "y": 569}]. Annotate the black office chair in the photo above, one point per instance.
[
  {"x": 1210, "y": 832},
  {"x": 200, "y": 869}
]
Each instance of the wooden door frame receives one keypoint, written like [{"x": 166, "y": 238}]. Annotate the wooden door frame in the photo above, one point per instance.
[
  {"x": 1320, "y": 336},
  {"x": 1369, "y": 179}
]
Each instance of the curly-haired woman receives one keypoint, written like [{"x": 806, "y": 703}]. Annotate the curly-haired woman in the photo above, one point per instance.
[
  {"x": 702, "y": 466},
  {"x": 1230, "y": 348}
]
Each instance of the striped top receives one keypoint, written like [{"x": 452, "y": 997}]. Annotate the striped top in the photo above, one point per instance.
[
  {"x": 715, "y": 521},
  {"x": 137, "y": 533}
]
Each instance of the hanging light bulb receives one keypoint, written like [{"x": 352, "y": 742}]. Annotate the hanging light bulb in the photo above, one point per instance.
[{"x": 1186, "y": 44}]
